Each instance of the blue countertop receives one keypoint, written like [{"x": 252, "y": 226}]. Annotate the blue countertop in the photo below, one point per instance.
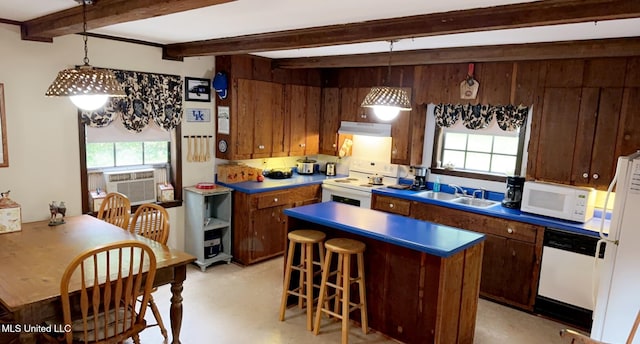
[
  {"x": 269, "y": 184},
  {"x": 439, "y": 240},
  {"x": 589, "y": 228}
]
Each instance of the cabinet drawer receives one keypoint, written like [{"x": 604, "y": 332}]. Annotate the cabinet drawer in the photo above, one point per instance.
[
  {"x": 393, "y": 205},
  {"x": 272, "y": 200},
  {"x": 511, "y": 229}
]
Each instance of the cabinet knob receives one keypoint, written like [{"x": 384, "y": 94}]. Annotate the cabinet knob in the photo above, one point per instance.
[
  {"x": 390, "y": 205},
  {"x": 302, "y": 145},
  {"x": 275, "y": 199},
  {"x": 585, "y": 175},
  {"x": 509, "y": 230},
  {"x": 334, "y": 145},
  {"x": 596, "y": 176},
  {"x": 261, "y": 147}
]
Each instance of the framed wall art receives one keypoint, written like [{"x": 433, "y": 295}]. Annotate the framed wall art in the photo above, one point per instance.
[
  {"x": 197, "y": 90},
  {"x": 4, "y": 156}
]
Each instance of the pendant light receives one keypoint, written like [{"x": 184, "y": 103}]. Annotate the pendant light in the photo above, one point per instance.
[
  {"x": 386, "y": 101},
  {"x": 89, "y": 88}
]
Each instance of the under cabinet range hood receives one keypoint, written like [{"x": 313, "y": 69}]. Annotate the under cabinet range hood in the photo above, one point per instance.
[{"x": 367, "y": 129}]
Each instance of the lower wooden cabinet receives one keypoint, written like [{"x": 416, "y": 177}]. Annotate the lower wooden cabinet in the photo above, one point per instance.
[
  {"x": 259, "y": 230},
  {"x": 512, "y": 251}
]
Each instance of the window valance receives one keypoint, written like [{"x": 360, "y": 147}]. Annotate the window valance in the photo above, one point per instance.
[
  {"x": 149, "y": 96},
  {"x": 479, "y": 116}
]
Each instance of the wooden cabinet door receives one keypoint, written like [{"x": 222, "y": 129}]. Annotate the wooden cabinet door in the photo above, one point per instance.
[
  {"x": 558, "y": 126},
  {"x": 267, "y": 100},
  {"x": 401, "y": 135},
  {"x": 330, "y": 110},
  {"x": 350, "y": 109},
  {"x": 268, "y": 233},
  {"x": 628, "y": 138},
  {"x": 243, "y": 122},
  {"x": 303, "y": 106},
  {"x": 364, "y": 114}
]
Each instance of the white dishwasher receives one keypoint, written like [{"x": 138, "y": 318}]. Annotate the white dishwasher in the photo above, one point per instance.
[{"x": 566, "y": 289}]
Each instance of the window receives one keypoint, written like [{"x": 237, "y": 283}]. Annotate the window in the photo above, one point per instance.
[
  {"x": 481, "y": 152},
  {"x": 121, "y": 154},
  {"x": 490, "y": 153}
]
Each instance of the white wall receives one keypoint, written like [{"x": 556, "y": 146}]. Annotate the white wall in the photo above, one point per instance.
[{"x": 42, "y": 132}]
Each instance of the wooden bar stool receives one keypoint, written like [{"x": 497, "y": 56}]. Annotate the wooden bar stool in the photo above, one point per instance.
[
  {"x": 306, "y": 238},
  {"x": 345, "y": 248}
]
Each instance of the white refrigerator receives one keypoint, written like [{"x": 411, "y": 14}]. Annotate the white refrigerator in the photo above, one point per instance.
[{"x": 618, "y": 298}]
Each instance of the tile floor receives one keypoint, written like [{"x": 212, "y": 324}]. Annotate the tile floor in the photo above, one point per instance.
[{"x": 232, "y": 304}]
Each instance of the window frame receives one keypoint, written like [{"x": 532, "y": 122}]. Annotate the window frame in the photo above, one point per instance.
[
  {"x": 175, "y": 170},
  {"x": 438, "y": 142}
]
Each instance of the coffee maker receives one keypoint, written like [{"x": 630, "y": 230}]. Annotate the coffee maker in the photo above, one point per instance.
[
  {"x": 513, "y": 196},
  {"x": 420, "y": 179}
]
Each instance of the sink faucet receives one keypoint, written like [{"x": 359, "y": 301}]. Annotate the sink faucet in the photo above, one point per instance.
[
  {"x": 458, "y": 190},
  {"x": 482, "y": 192}
]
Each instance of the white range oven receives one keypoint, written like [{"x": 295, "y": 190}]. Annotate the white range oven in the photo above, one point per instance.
[{"x": 356, "y": 188}]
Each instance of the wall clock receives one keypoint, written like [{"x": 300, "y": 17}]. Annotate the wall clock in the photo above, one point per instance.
[{"x": 222, "y": 146}]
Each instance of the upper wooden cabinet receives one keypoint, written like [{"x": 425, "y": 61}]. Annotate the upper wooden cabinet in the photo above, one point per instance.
[
  {"x": 330, "y": 120},
  {"x": 303, "y": 111}
]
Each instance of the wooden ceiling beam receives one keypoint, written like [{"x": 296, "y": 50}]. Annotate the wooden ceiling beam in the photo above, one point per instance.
[
  {"x": 538, "y": 13},
  {"x": 617, "y": 47},
  {"x": 103, "y": 13}
]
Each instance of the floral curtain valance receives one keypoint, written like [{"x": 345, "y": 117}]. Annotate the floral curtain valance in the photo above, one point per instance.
[
  {"x": 149, "y": 96},
  {"x": 508, "y": 117}
]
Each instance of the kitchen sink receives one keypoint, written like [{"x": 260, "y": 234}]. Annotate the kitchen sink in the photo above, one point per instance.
[
  {"x": 442, "y": 196},
  {"x": 474, "y": 202}
]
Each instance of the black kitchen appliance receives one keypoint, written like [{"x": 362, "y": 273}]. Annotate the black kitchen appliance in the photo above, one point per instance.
[
  {"x": 279, "y": 173},
  {"x": 420, "y": 178},
  {"x": 212, "y": 243},
  {"x": 513, "y": 196}
]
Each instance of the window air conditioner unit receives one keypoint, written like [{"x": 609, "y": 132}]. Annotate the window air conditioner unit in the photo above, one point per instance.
[{"x": 138, "y": 185}]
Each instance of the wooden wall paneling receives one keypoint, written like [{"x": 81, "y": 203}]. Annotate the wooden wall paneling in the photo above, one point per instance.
[
  {"x": 281, "y": 122},
  {"x": 587, "y": 119},
  {"x": 434, "y": 81},
  {"x": 602, "y": 162},
  {"x": 564, "y": 73},
  {"x": 495, "y": 83},
  {"x": 242, "y": 66},
  {"x": 535, "y": 123},
  {"x": 455, "y": 73},
  {"x": 449, "y": 301},
  {"x": 628, "y": 138},
  {"x": 418, "y": 122},
  {"x": 632, "y": 77},
  {"x": 330, "y": 120},
  {"x": 312, "y": 120},
  {"x": 470, "y": 290},
  {"x": 349, "y": 104},
  {"x": 557, "y": 134},
  {"x": 223, "y": 64},
  {"x": 605, "y": 72},
  {"x": 261, "y": 68},
  {"x": 420, "y": 84},
  {"x": 403, "y": 274},
  {"x": 526, "y": 82}
]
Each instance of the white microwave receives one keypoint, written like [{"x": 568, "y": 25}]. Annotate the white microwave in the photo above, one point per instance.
[{"x": 565, "y": 202}]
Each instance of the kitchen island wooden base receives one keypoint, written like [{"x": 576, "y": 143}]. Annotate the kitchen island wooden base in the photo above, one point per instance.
[{"x": 414, "y": 296}]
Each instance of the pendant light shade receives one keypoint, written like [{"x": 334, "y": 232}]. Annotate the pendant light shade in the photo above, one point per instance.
[
  {"x": 387, "y": 102},
  {"x": 88, "y": 87}
]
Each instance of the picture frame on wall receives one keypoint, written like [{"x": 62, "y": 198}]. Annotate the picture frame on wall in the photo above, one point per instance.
[
  {"x": 197, "y": 90},
  {"x": 4, "y": 156}
]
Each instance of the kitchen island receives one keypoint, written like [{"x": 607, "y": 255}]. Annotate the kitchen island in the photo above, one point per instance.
[{"x": 422, "y": 278}]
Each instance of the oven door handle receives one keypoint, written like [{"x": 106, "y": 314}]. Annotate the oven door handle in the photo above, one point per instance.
[{"x": 346, "y": 191}]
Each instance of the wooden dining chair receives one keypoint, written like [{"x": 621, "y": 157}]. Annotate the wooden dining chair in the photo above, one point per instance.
[
  {"x": 110, "y": 278},
  {"x": 115, "y": 209},
  {"x": 574, "y": 337},
  {"x": 152, "y": 221}
]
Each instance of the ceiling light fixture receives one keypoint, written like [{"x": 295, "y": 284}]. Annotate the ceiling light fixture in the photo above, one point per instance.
[
  {"x": 386, "y": 101},
  {"x": 89, "y": 88}
]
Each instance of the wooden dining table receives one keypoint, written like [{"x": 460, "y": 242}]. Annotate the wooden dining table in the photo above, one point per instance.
[{"x": 33, "y": 260}]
